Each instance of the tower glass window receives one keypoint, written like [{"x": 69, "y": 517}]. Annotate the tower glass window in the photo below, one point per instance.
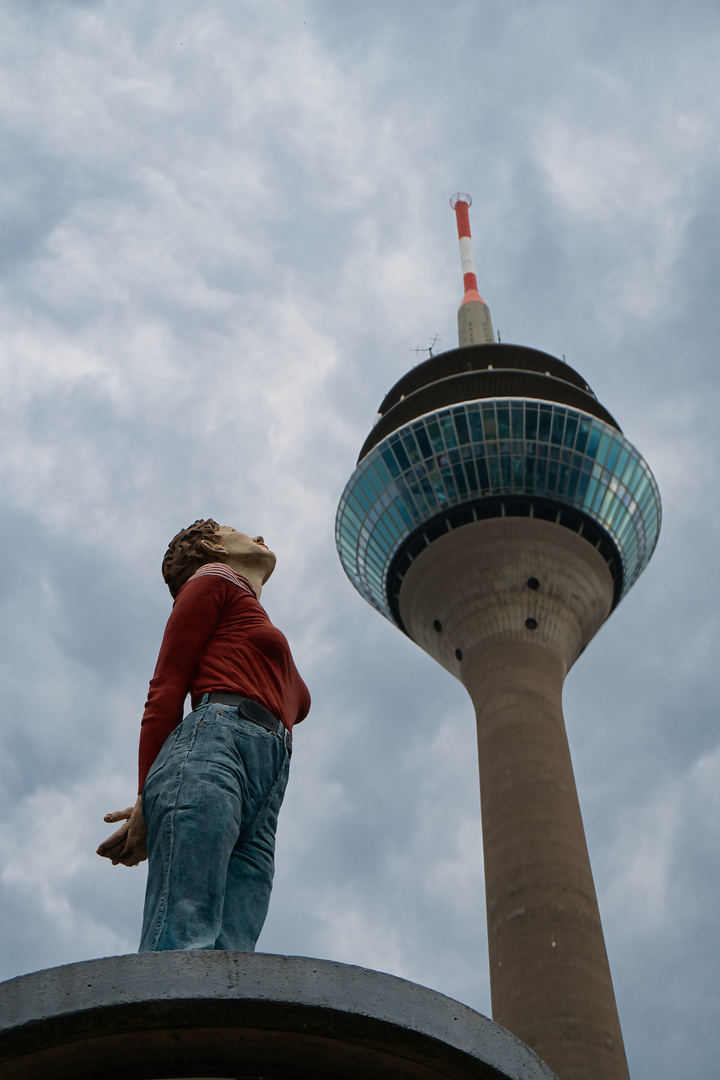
[{"x": 473, "y": 451}]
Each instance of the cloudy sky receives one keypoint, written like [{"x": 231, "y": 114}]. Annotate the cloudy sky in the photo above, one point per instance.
[{"x": 225, "y": 228}]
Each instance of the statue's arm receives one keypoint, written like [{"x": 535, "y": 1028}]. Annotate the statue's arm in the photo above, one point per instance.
[{"x": 193, "y": 620}]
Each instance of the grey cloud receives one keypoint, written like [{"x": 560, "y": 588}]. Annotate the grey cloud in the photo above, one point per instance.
[{"x": 219, "y": 256}]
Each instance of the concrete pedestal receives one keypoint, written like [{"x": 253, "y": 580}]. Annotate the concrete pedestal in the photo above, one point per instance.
[{"x": 255, "y": 1016}]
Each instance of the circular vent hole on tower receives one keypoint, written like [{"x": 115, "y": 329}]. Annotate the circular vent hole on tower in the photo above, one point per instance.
[
  {"x": 458, "y": 654},
  {"x": 437, "y": 625},
  {"x": 533, "y": 583},
  {"x": 531, "y": 624}
]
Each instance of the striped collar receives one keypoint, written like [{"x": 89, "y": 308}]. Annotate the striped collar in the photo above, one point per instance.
[{"x": 218, "y": 569}]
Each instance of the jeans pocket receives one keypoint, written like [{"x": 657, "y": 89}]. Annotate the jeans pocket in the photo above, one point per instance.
[
  {"x": 247, "y": 729},
  {"x": 180, "y": 734}
]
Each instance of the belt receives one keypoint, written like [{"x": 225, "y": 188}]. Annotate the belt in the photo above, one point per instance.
[{"x": 253, "y": 711}]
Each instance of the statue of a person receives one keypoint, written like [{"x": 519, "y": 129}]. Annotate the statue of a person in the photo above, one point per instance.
[{"x": 211, "y": 784}]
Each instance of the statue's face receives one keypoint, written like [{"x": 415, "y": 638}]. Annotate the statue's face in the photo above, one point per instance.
[{"x": 254, "y": 547}]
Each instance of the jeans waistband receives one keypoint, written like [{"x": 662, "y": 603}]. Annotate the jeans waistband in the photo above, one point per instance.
[{"x": 250, "y": 710}]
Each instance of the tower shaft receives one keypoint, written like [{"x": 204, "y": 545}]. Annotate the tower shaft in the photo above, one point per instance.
[{"x": 507, "y": 605}]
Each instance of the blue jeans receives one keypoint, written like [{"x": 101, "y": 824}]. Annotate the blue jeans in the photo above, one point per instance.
[{"x": 211, "y": 803}]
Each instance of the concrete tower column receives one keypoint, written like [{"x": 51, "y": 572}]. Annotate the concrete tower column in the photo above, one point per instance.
[{"x": 507, "y": 605}]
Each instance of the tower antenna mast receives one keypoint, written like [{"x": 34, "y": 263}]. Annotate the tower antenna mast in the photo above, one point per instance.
[{"x": 474, "y": 322}]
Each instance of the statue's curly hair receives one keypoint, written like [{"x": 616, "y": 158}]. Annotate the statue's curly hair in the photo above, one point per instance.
[{"x": 185, "y": 555}]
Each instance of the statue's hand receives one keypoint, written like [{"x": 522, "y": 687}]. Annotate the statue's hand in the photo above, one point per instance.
[{"x": 127, "y": 845}]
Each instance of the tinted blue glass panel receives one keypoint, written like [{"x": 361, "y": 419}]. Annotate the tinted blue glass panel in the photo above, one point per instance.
[
  {"x": 411, "y": 506},
  {"x": 368, "y": 491},
  {"x": 448, "y": 431},
  {"x": 628, "y": 472},
  {"x": 517, "y": 417},
  {"x": 358, "y": 503},
  {"x": 606, "y": 503},
  {"x": 422, "y": 440},
  {"x": 433, "y": 430},
  {"x": 545, "y": 423},
  {"x": 389, "y": 459},
  {"x": 395, "y": 517},
  {"x": 603, "y": 447},
  {"x": 350, "y": 515},
  {"x": 471, "y": 475},
  {"x": 488, "y": 416},
  {"x": 383, "y": 472},
  {"x": 419, "y": 498},
  {"x": 517, "y": 472},
  {"x": 570, "y": 430},
  {"x": 475, "y": 421},
  {"x": 615, "y": 511},
  {"x": 446, "y": 486},
  {"x": 621, "y": 462},
  {"x": 562, "y": 479},
  {"x": 593, "y": 440},
  {"x": 460, "y": 479},
  {"x": 598, "y": 496},
  {"x": 411, "y": 448},
  {"x": 612, "y": 455},
  {"x": 461, "y": 426},
  {"x": 427, "y": 491},
  {"x": 376, "y": 478},
  {"x": 551, "y": 475},
  {"x": 541, "y": 468},
  {"x": 402, "y": 458},
  {"x": 401, "y": 509},
  {"x": 558, "y": 425}
]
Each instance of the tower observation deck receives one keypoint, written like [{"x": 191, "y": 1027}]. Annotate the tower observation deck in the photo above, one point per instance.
[{"x": 497, "y": 515}]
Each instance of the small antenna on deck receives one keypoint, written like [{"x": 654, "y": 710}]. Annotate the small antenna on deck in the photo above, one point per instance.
[{"x": 428, "y": 348}]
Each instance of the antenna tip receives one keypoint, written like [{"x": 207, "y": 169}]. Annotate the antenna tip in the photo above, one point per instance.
[{"x": 460, "y": 197}]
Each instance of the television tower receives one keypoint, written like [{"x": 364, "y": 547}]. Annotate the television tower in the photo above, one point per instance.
[{"x": 497, "y": 515}]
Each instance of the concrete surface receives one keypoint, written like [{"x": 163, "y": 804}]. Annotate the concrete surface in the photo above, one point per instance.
[{"x": 223, "y": 1014}]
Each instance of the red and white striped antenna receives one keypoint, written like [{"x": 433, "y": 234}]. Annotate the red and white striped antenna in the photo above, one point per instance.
[{"x": 474, "y": 322}]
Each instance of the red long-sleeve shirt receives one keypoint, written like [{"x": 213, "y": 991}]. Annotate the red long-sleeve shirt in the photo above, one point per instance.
[{"x": 218, "y": 637}]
